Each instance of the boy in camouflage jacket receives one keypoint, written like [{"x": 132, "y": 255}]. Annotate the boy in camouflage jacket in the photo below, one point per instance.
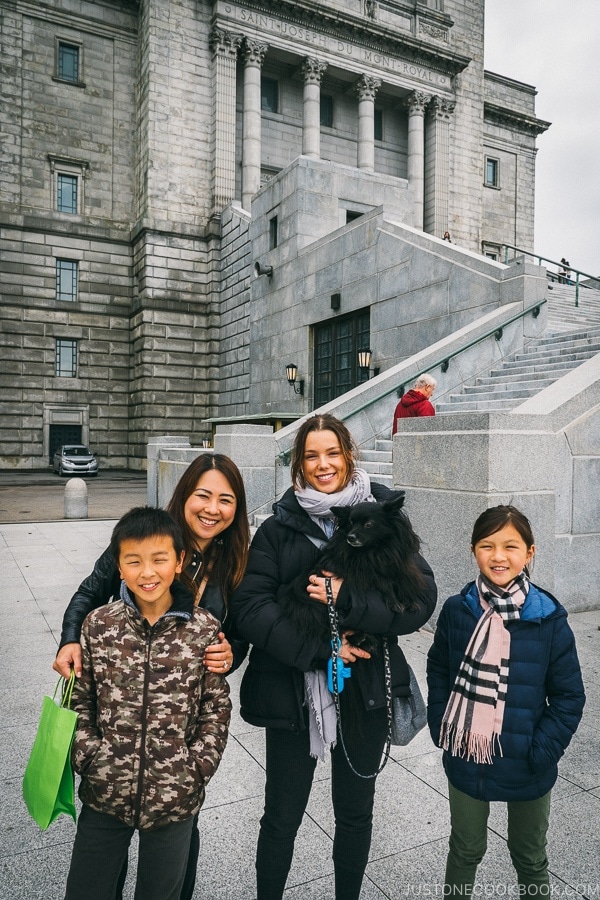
[{"x": 153, "y": 721}]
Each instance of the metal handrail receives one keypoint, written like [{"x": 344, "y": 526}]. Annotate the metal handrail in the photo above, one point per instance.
[
  {"x": 553, "y": 262},
  {"x": 443, "y": 363}
]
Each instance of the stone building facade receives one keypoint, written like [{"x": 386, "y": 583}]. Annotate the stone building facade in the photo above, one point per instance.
[{"x": 151, "y": 149}]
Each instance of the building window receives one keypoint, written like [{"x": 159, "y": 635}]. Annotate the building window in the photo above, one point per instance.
[
  {"x": 352, "y": 214},
  {"x": 68, "y": 62},
  {"x": 66, "y": 193},
  {"x": 378, "y": 125},
  {"x": 273, "y": 233},
  {"x": 269, "y": 95},
  {"x": 66, "y": 358},
  {"x": 492, "y": 172},
  {"x": 67, "y": 184},
  {"x": 326, "y": 110},
  {"x": 491, "y": 251},
  {"x": 66, "y": 280},
  {"x": 336, "y": 344}
]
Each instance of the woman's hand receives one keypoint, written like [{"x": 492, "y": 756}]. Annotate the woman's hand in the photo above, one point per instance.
[
  {"x": 68, "y": 656},
  {"x": 316, "y": 587},
  {"x": 348, "y": 652},
  {"x": 218, "y": 658}
]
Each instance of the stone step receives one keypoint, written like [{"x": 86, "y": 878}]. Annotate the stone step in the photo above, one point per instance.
[
  {"x": 567, "y": 339},
  {"x": 381, "y": 478},
  {"x": 579, "y": 350},
  {"x": 515, "y": 392},
  {"x": 381, "y": 444},
  {"x": 499, "y": 385},
  {"x": 516, "y": 377},
  {"x": 376, "y": 468},
  {"x": 482, "y": 405},
  {"x": 542, "y": 366},
  {"x": 375, "y": 456}
]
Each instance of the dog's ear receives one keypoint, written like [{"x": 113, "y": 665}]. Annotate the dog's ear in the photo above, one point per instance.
[
  {"x": 395, "y": 503},
  {"x": 342, "y": 513}
]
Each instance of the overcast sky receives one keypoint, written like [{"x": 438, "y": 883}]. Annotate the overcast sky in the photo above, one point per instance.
[{"x": 555, "y": 46}]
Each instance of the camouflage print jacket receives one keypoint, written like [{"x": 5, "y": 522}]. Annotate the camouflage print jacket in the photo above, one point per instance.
[{"x": 153, "y": 722}]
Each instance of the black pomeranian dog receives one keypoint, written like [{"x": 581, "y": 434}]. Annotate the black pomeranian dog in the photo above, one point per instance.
[{"x": 374, "y": 547}]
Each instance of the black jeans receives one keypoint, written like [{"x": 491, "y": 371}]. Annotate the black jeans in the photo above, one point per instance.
[
  {"x": 101, "y": 846},
  {"x": 189, "y": 882},
  {"x": 290, "y": 770}
]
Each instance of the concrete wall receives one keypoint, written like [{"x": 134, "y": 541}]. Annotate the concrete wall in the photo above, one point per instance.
[{"x": 417, "y": 288}]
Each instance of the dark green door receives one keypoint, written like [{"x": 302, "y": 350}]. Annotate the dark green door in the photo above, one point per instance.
[{"x": 337, "y": 343}]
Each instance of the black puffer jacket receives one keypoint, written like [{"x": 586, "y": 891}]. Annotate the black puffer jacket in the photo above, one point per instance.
[
  {"x": 272, "y": 691},
  {"x": 104, "y": 584}
]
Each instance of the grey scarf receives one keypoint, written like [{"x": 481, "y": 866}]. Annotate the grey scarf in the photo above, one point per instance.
[{"x": 318, "y": 505}]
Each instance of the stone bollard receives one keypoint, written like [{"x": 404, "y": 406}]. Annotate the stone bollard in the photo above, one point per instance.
[{"x": 76, "y": 499}]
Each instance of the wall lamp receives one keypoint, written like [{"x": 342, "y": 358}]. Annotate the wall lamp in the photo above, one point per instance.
[
  {"x": 364, "y": 361},
  {"x": 260, "y": 269},
  {"x": 291, "y": 371}
]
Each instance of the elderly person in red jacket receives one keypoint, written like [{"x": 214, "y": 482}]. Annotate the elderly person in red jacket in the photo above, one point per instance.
[{"x": 416, "y": 401}]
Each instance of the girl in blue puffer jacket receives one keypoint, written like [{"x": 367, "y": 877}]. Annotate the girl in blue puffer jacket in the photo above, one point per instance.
[{"x": 505, "y": 698}]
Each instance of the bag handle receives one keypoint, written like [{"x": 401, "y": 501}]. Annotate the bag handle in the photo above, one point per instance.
[{"x": 66, "y": 685}]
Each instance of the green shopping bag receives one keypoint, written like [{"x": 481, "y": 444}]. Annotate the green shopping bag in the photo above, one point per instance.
[{"x": 48, "y": 784}]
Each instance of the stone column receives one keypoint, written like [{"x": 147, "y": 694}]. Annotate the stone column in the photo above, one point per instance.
[
  {"x": 312, "y": 72},
  {"x": 224, "y": 45},
  {"x": 417, "y": 103},
  {"x": 253, "y": 54},
  {"x": 366, "y": 88},
  {"x": 437, "y": 165}
]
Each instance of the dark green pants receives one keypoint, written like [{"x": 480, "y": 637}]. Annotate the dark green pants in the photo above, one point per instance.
[{"x": 527, "y": 828}]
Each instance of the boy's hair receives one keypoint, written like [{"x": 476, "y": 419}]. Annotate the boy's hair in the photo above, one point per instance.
[
  {"x": 143, "y": 522},
  {"x": 496, "y": 517}
]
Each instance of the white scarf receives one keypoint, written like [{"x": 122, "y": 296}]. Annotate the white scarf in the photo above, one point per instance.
[{"x": 318, "y": 504}]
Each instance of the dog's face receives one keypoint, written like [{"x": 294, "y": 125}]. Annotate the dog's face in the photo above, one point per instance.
[{"x": 369, "y": 524}]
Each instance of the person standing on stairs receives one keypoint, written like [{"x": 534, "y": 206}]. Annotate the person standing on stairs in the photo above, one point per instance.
[{"x": 416, "y": 402}]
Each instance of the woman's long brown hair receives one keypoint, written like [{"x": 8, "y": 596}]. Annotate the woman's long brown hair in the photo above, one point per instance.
[
  {"x": 226, "y": 557},
  {"x": 324, "y": 422}
]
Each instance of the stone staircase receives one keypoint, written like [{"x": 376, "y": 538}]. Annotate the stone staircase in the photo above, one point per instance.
[
  {"x": 378, "y": 462},
  {"x": 573, "y": 336},
  {"x": 525, "y": 373},
  {"x": 564, "y": 316}
]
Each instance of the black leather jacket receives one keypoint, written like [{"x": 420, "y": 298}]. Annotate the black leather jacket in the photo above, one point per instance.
[{"x": 103, "y": 585}]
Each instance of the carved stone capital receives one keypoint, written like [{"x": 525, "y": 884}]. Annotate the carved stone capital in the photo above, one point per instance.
[
  {"x": 312, "y": 70},
  {"x": 371, "y": 8},
  {"x": 253, "y": 52},
  {"x": 442, "y": 108},
  {"x": 367, "y": 87},
  {"x": 436, "y": 32},
  {"x": 225, "y": 43},
  {"x": 417, "y": 102}
]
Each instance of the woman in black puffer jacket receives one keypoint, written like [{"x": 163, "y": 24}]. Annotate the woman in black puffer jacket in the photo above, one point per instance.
[{"x": 324, "y": 475}]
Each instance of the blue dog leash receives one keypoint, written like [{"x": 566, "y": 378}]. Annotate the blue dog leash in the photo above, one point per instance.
[{"x": 341, "y": 671}]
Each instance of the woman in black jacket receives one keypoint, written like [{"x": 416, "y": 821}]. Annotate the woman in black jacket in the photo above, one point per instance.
[
  {"x": 209, "y": 504},
  {"x": 283, "y": 662}
]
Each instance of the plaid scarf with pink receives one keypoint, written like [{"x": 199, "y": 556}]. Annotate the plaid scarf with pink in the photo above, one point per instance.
[{"x": 472, "y": 722}]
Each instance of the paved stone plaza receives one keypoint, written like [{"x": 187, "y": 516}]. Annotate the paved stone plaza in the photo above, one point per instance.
[{"x": 44, "y": 563}]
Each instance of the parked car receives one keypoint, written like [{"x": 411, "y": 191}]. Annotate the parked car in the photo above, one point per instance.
[{"x": 74, "y": 459}]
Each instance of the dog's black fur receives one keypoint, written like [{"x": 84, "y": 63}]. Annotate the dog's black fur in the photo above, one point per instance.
[{"x": 373, "y": 547}]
